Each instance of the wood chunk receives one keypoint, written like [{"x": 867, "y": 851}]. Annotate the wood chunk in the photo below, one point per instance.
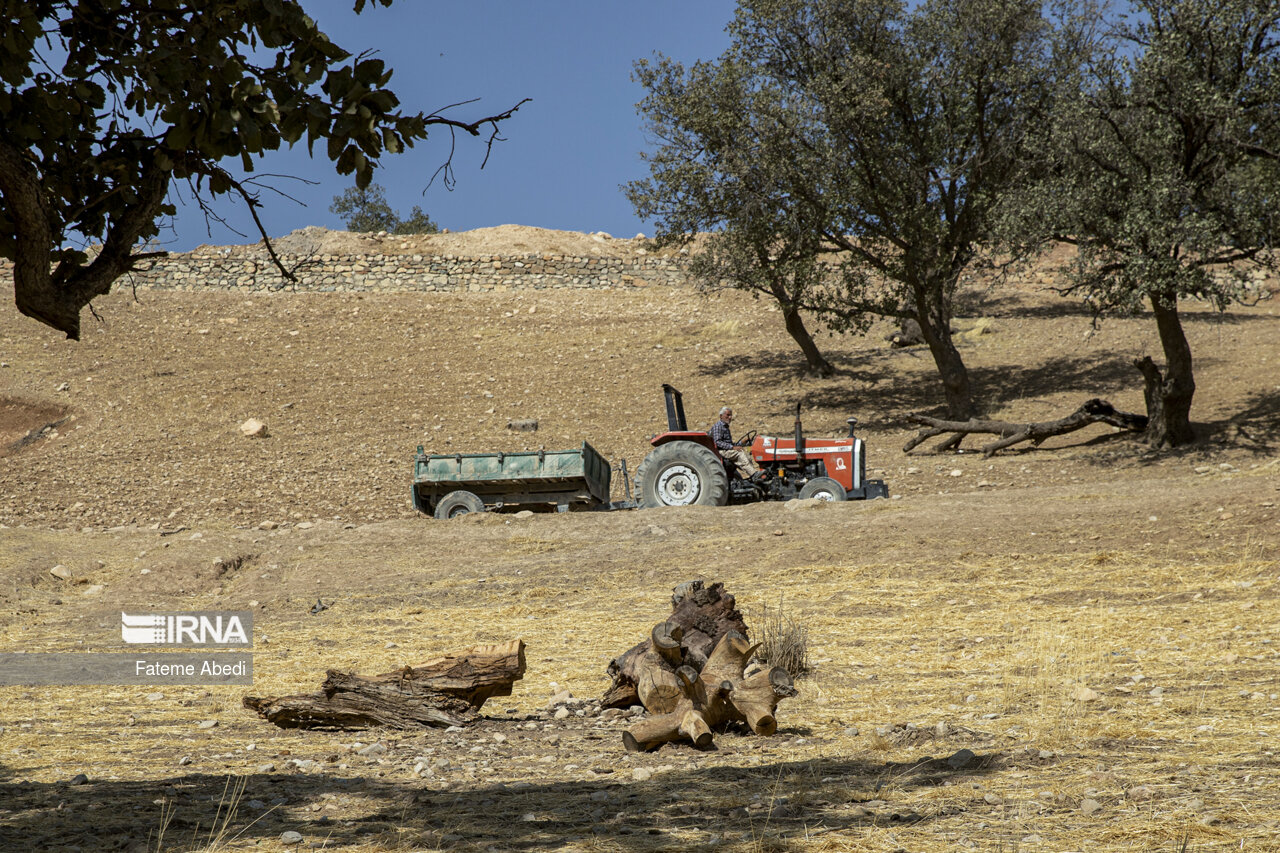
[
  {"x": 700, "y": 616},
  {"x": 447, "y": 691},
  {"x": 721, "y": 693}
]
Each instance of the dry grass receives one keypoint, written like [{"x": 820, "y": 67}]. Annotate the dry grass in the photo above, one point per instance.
[
  {"x": 784, "y": 641},
  {"x": 921, "y": 659}
]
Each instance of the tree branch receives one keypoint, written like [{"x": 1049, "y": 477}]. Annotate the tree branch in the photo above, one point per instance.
[{"x": 1091, "y": 412}]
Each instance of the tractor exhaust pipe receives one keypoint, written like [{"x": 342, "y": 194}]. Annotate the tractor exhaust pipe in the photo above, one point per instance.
[{"x": 799, "y": 438}]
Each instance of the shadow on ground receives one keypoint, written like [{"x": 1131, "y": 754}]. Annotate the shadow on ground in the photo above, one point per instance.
[
  {"x": 875, "y": 382},
  {"x": 782, "y": 799}
]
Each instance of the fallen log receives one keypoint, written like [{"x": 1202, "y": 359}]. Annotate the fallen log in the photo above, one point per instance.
[
  {"x": 448, "y": 691},
  {"x": 700, "y": 616},
  {"x": 1091, "y": 412}
]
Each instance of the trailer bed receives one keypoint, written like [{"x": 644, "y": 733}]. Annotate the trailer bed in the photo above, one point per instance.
[{"x": 550, "y": 479}]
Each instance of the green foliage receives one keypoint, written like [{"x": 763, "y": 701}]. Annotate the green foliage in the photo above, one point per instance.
[
  {"x": 417, "y": 223},
  {"x": 1162, "y": 165},
  {"x": 858, "y": 127},
  {"x": 367, "y": 210},
  {"x": 106, "y": 103}
]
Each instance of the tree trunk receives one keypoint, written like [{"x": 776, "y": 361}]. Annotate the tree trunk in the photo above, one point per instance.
[
  {"x": 55, "y": 297},
  {"x": 447, "y": 691},
  {"x": 935, "y": 327},
  {"x": 818, "y": 364},
  {"x": 1168, "y": 396}
]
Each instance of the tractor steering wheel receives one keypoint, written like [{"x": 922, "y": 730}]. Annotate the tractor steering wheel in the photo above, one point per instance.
[{"x": 746, "y": 439}]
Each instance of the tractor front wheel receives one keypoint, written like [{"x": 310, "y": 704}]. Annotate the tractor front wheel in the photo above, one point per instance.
[
  {"x": 682, "y": 473},
  {"x": 824, "y": 489}
]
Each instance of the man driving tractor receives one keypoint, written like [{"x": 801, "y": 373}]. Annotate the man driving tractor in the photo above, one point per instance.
[{"x": 734, "y": 453}]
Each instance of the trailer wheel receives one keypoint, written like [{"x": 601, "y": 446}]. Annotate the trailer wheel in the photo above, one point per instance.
[
  {"x": 458, "y": 503},
  {"x": 824, "y": 489},
  {"x": 682, "y": 473}
]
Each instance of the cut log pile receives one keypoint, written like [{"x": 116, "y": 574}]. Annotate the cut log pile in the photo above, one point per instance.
[
  {"x": 691, "y": 675},
  {"x": 447, "y": 691}
]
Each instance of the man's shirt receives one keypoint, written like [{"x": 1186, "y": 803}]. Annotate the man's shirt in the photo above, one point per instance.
[{"x": 721, "y": 436}]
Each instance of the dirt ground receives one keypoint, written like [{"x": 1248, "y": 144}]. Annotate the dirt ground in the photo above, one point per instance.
[{"x": 1093, "y": 622}]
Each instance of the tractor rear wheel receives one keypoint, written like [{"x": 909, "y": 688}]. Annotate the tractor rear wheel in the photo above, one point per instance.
[
  {"x": 458, "y": 503},
  {"x": 682, "y": 473},
  {"x": 824, "y": 489}
]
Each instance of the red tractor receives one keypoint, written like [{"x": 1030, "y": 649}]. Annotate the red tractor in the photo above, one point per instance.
[{"x": 685, "y": 468}]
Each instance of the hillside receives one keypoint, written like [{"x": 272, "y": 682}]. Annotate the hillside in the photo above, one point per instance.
[{"x": 1092, "y": 621}]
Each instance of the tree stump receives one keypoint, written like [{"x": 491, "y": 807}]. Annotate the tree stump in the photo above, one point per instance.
[
  {"x": 447, "y": 691},
  {"x": 700, "y": 616}
]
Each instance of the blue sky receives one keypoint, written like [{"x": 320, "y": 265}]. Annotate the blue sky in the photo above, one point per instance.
[{"x": 566, "y": 152}]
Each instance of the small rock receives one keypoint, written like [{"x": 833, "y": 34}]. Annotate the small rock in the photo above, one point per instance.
[
  {"x": 61, "y": 572},
  {"x": 256, "y": 805},
  {"x": 1089, "y": 808},
  {"x": 524, "y": 513},
  {"x": 372, "y": 749},
  {"x": 207, "y": 724},
  {"x": 993, "y": 799},
  {"x": 561, "y": 698},
  {"x": 266, "y": 768},
  {"x": 961, "y": 759},
  {"x": 956, "y": 472},
  {"x": 154, "y": 697},
  {"x": 78, "y": 779},
  {"x": 96, "y": 589},
  {"x": 1157, "y": 691},
  {"x": 184, "y": 761},
  {"x": 1084, "y": 694},
  {"x": 1139, "y": 793},
  {"x": 561, "y": 713},
  {"x": 268, "y": 525},
  {"x": 599, "y": 796},
  {"x": 291, "y": 837},
  {"x": 254, "y": 428},
  {"x": 642, "y": 774}
]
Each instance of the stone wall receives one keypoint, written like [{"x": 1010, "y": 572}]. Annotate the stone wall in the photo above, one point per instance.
[{"x": 248, "y": 271}]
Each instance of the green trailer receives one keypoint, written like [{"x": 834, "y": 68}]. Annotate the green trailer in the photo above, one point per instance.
[{"x": 447, "y": 485}]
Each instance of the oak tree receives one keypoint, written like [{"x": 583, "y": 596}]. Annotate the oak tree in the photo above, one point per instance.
[
  {"x": 366, "y": 209},
  {"x": 1163, "y": 169},
  {"x": 107, "y": 103},
  {"x": 860, "y": 127}
]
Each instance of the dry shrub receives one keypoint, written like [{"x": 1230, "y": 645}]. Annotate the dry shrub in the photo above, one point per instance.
[{"x": 784, "y": 641}]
